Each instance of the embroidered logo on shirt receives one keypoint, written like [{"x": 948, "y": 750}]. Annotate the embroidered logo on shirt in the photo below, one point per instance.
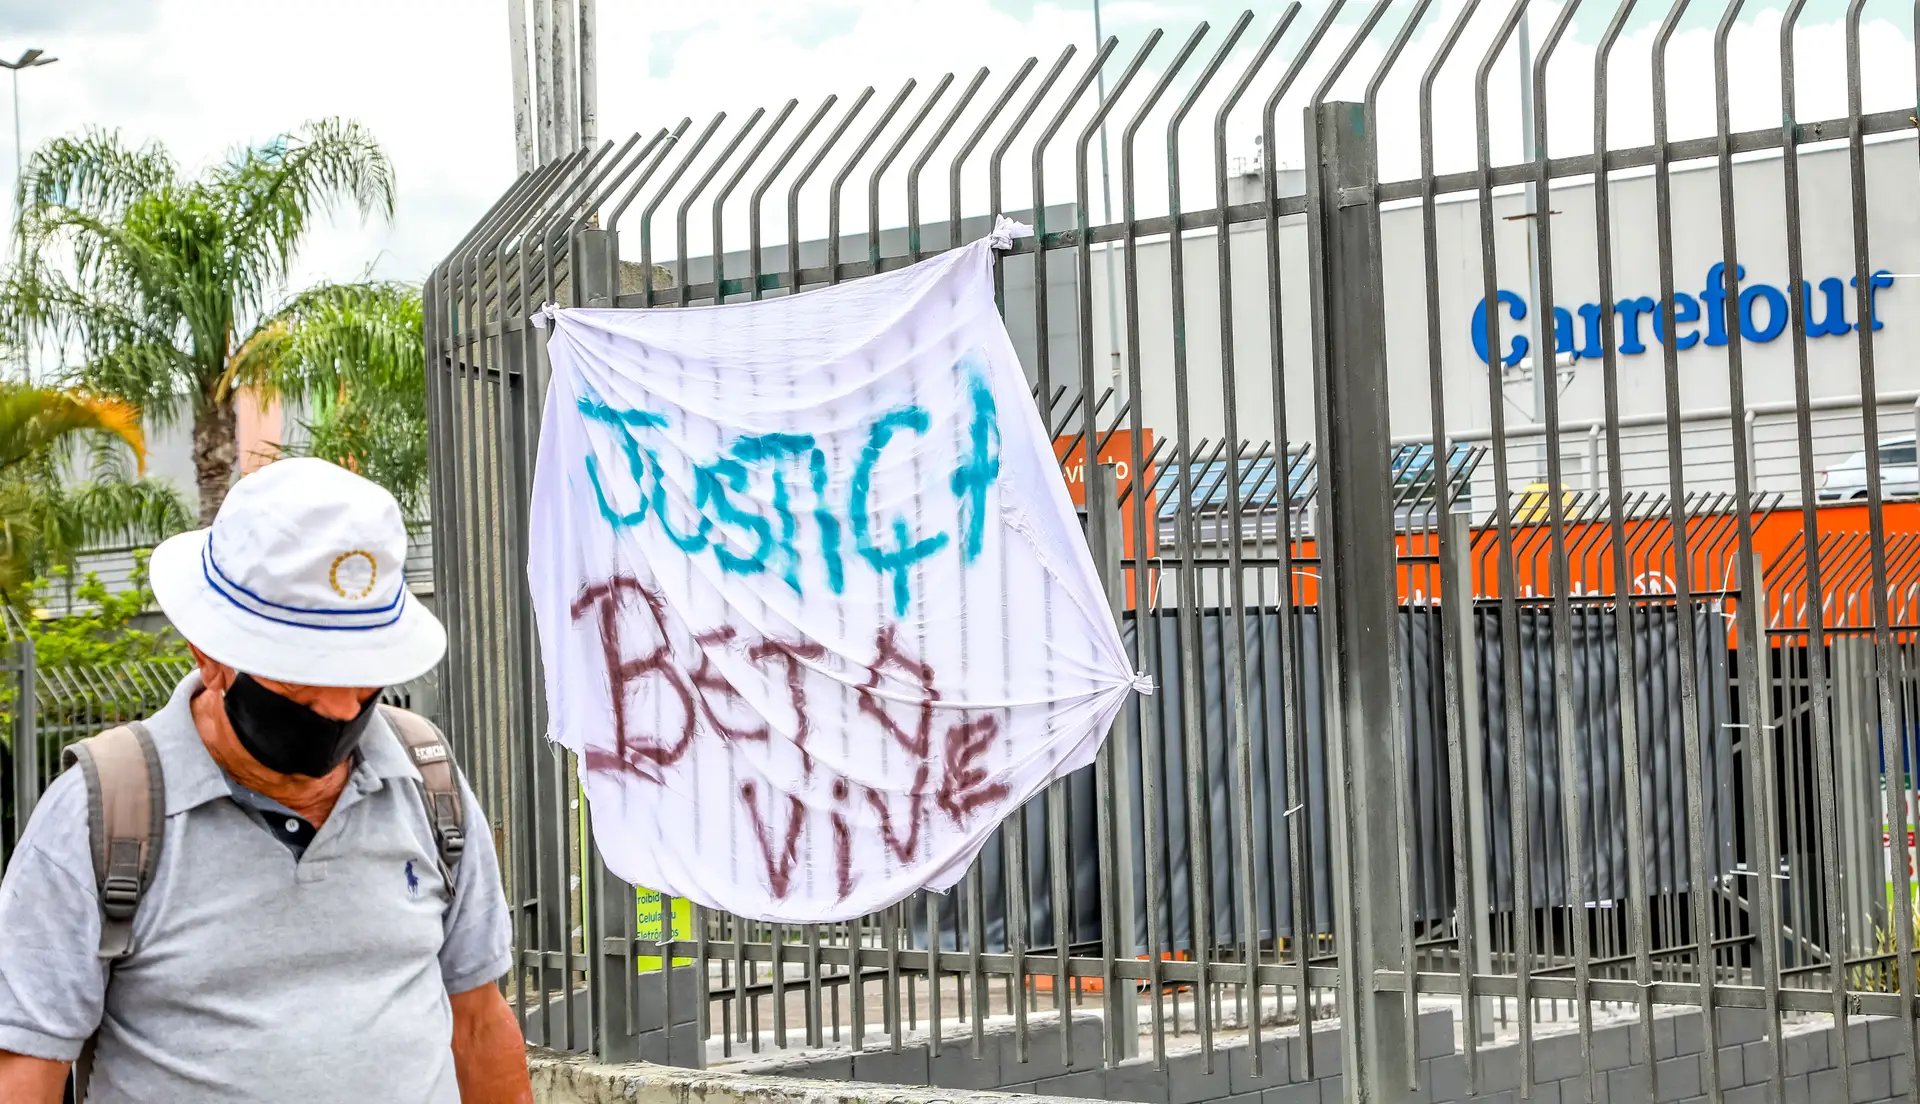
[{"x": 413, "y": 881}]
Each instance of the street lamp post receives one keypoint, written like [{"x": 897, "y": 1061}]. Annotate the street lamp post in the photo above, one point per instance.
[{"x": 31, "y": 59}]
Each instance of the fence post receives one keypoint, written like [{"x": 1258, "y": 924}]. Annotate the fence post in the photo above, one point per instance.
[
  {"x": 26, "y": 736},
  {"x": 596, "y": 257},
  {"x": 1473, "y": 760},
  {"x": 611, "y": 917},
  {"x": 1357, "y": 567},
  {"x": 1115, "y": 796}
]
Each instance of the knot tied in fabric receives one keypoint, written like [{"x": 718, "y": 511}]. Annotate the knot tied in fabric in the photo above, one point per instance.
[{"x": 1005, "y": 231}]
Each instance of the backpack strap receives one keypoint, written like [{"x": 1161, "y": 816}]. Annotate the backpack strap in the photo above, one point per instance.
[
  {"x": 126, "y": 822},
  {"x": 126, "y": 817},
  {"x": 440, "y": 783}
]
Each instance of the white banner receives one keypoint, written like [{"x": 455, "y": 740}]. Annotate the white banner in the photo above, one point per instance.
[{"x": 815, "y": 608}]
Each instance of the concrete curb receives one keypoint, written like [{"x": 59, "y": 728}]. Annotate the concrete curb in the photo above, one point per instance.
[{"x": 573, "y": 1079}]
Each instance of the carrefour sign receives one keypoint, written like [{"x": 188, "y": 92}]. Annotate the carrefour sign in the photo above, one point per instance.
[{"x": 1763, "y": 314}]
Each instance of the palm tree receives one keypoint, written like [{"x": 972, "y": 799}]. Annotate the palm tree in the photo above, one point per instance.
[
  {"x": 34, "y": 420},
  {"x": 158, "y": 279},
  {"x": 47, "y": 521},
  {"x": 353, "y": 357}
]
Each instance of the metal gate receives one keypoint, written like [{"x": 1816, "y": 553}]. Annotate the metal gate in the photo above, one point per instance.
[{"x": 1583, "y": 708}]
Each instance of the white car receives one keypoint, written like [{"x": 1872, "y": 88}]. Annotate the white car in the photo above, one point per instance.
[{"x": 1899, "y": 474}]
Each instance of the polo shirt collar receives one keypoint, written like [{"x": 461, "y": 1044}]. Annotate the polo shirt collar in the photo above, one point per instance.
[{"x": 193, "y": 778}]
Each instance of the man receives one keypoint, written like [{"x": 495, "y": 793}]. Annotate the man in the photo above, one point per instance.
[{"x": 300, "y": 938}]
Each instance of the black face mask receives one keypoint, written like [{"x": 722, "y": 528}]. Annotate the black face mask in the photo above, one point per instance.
[{"x": 283, "y": 735}]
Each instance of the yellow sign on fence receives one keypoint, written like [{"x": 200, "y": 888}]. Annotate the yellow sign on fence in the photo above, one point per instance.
[{"x": 651, "y": 922}]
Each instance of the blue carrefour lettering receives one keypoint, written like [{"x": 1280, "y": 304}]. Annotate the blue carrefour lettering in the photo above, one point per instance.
[
  {"x": 1631, "y": 311},
  {"x": 1835, "y": 323},
  {"x": 1880, "y": 279},
  {"x": 1750, "y": 328},
  {"x": 1686, "y": 311},
  {"x": 1591, "y": 348},
  {"x": 1517, "y": 345},
  {"x": 1759, "y": 313},
  {"x": 1563, "y": 335},
  {"x": 1714, "y": 295}
]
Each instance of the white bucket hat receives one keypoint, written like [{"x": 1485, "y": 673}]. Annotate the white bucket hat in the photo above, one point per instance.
[{"x": 300, "y": 580}]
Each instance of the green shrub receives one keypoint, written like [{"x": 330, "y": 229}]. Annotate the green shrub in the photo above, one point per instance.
[{"x": 95, "y": 667}]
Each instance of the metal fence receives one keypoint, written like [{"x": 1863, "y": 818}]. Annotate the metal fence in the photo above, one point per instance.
[
  {"x": 1639, "y": 625},
  {"x": 46, "y": 707},
  {"x": 50, "y": 707}
]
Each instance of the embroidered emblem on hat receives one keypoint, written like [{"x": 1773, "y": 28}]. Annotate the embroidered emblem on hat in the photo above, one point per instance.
[{"x": 353, "y": 574}]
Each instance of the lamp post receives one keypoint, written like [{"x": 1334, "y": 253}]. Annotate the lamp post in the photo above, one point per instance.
[{"x": 31, "y": 59}]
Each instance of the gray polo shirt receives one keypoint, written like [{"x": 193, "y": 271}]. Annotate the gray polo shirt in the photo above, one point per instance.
[{"x": 255, "y": 973}]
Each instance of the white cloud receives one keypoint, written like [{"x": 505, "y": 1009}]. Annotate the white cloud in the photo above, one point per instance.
[
  {"x": 203, "y": 76},
  {"x": 430, "y": 77}
]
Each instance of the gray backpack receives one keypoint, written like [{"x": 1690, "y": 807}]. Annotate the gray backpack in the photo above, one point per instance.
[{"x": 126, "y": 816}]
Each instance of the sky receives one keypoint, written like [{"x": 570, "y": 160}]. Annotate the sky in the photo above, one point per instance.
[{"x": 431, "y": 79}]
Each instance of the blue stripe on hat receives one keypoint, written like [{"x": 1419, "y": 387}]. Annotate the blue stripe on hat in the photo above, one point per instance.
[
  {"x": 214, "y": 562},
  {"x": 218, "y": 580}
]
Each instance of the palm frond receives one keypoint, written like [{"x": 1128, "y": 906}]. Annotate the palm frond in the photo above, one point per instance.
[
  {"x": 339, "y": 336},
  {"x": 152, "y": 377},
  {"x": 257, "y": 362},
  {"x": 120, "y": 419},
  {"x": 353, "y": 356},
  {"x": 277, "y": 189},
  {"x": 94, "y": 171},
  {"x": 124, "y": 302},
  {"x": 152, "y": 277},
  {"x": 94, "y": 304},
  {"x": 381, "y": 438},
  {"x": 20, "y": 534},
  {"x": 35, "y": 419},
  {"x": 45, "y": 524},
  {"x": 122, "y": 511}
]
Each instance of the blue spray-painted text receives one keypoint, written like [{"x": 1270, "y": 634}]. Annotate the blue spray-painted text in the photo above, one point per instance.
[{"x": 745, "y": 502}]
